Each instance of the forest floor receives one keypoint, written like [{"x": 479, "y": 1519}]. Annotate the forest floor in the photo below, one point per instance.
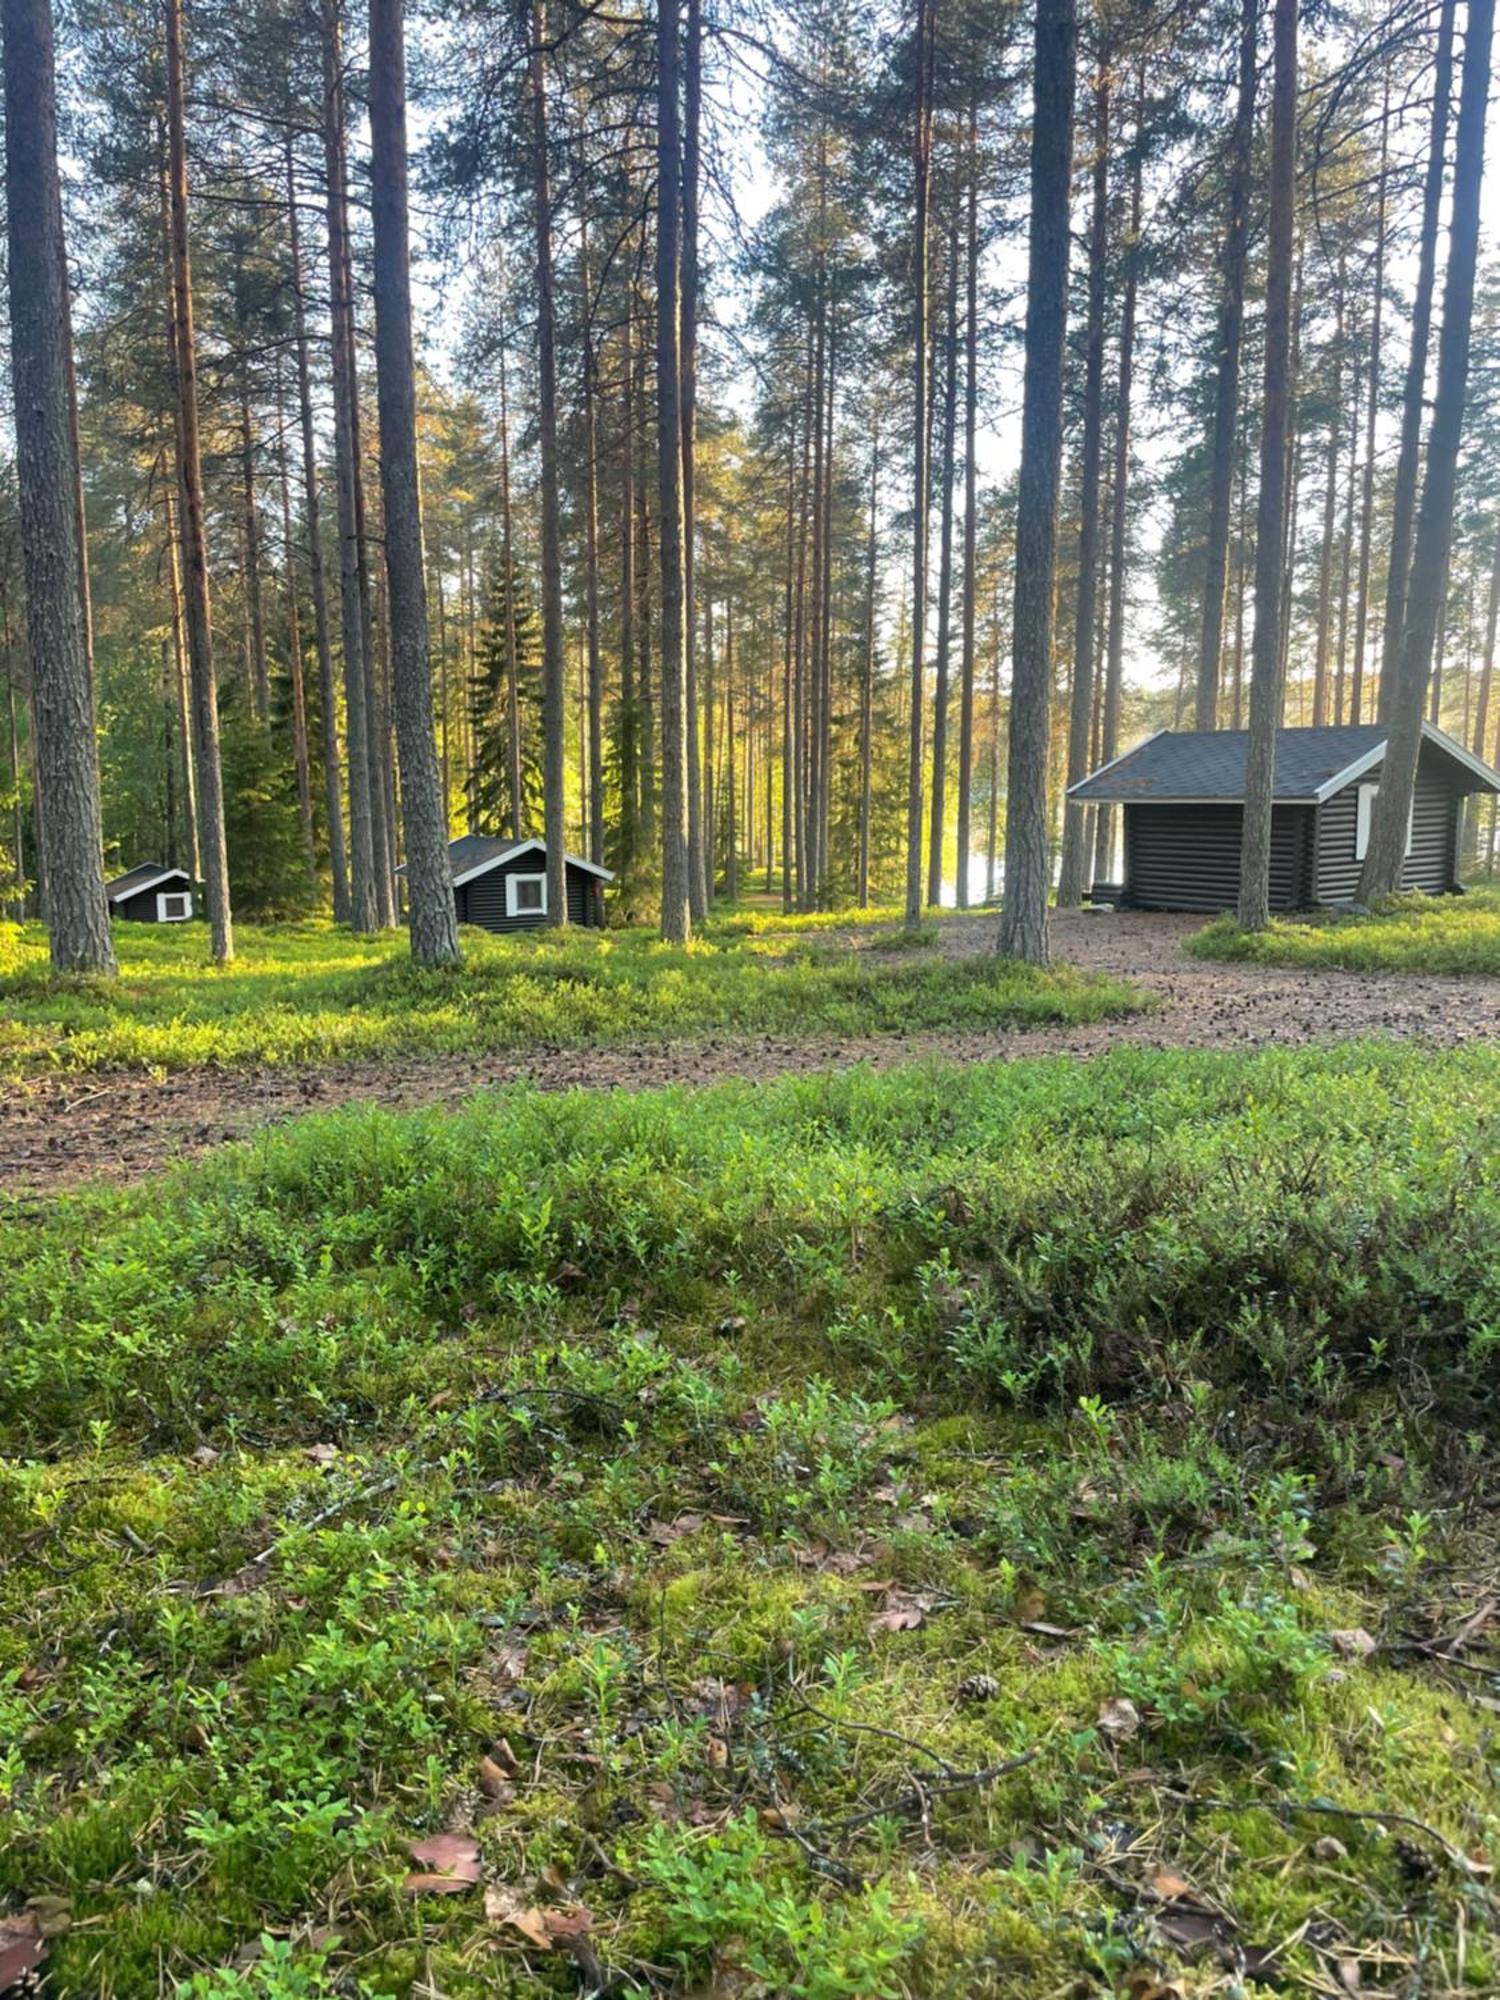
[
  {"x": 114, "y": 1124},
  {"x": 976, "y": 1533}
]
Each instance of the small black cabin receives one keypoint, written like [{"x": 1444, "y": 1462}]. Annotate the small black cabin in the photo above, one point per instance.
[
  {"x": 1183, "y": 794},
  {"x": 151, "y": 894},
  {"x": 501, "y": 885}
]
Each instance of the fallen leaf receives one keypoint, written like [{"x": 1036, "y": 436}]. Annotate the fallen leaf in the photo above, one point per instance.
[
  {"x": 493, "y": 1781},
  {"x": 1172, "y": 1888},
  {"x": 1260, "y": 1963},
  {"x": 897, "y": 1618},
  {"x": 1190, "y": 1930},
  {"x": 665, "y": 1533},
  {"x": 543, "y": 1928},
  {"x": 323, "y": 1454},
  {"x": 1120, "y": 1719},
  {"x": 1330, "y": 1848},
  {"x": 1349, "y": 1975},
  {"x": 1354, "y": 1644},
  {"x": 205, "y": 1455},
  {"x": 22, "y": 1949},
  {"x": 451, "y": 1861},
  {"x": 1043, "y": 1630},
  {"x": 502, "y": 1754}
]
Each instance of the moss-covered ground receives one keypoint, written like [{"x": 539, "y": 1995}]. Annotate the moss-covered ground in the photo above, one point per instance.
[
  {"x": 313, "y": 993},
  {"x": 1452, "y": 934},
  {"x": 1025, "y": 1530}
]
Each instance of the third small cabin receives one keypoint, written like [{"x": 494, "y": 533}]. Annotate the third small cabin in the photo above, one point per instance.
[
  {"x": 1183, "y": 795},
  {"x": 501, "y": 885},
  {"x": 151, "y": 894}
]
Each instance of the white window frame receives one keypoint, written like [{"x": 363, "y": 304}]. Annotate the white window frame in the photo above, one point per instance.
[
  {"x": 166, "y": 896},
  {"x": 1364, "y": 811},
  {"x": 513, "y": 907}
]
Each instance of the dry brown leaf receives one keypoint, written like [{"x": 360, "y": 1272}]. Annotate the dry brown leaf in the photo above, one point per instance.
[
  {"x": 502, "y": 1754},
  {"x": 493, "y": 1781},
  {"x": 205, "y": 1455},
  {"x": 1171, "y": 1887},
  {"x": 1119, "y": 1719},
  {"x": 897, "y": 1618},
  {"x": 1354, "y": 1644},
  {"x": 543, "y": 1928},
  {"x": 450, "y": 1865},
  {"x": 323, "y": 1454},
  {"x": 22, "y": 1949}
]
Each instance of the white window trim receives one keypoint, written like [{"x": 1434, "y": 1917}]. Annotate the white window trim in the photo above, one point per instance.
[
  {"x": 1364, "y": 811},
  {"x": 513, "y": 908},
  {"x": 166, "y": 916}
]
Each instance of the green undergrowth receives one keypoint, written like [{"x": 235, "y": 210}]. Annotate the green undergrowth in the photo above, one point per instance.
[
  {"x": 1410, "y": 933},
  {"x": 951, "y": 1532},
  {"x": 310, "y": 993}
]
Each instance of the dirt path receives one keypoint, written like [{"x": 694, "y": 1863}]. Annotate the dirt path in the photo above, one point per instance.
[{"x": 65, "y": 1131}]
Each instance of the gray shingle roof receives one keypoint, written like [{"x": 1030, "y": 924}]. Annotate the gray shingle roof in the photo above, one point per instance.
[
  {"x": 141, "y": 877},
  {"x": 1209, "y": 765},
  {"x": 479, "y": 850}
]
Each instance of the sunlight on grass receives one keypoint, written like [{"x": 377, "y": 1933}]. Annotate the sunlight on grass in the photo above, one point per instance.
[
  {"x": 1413, "y": 933},
  {"x": 309, "y": 993}
]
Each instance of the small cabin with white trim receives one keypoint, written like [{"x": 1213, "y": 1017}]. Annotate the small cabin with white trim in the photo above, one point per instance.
[
  {"x": 151, "y": 894},
  {"x": 501, "y": 885},
  {"x": 1183, "y": 796}
]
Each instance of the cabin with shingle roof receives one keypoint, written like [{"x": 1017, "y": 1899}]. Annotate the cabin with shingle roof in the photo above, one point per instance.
[
  {"x": 150, "y": 893},
  {"x": 1183, "y": 794},
  {"x": 501, "y": 885}
]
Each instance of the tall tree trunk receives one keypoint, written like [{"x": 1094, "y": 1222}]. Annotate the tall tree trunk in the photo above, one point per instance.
[
  {"x": 673, "y": 447},
  {"x": 1330, "y": 513},
  {"x": 554, "y": 745},
  {"x": 921, "y": 474},
  {"x": 66, "y": 753},
  {"x": 788, "y": 736},
  {"x": 1480, "y": 743},
  {"x": 1114, "y": 650},
  {"x": 191, "y": 516},
  {"x": 1270, "y": 577},
  {"x": 731, "y": 831},
  {"x": 1227, "y": 346},
  {"x": 630, "y": 771},
  {"x": 1346, "y": 554},
  {"x": 301, "y": 759},
  {"x": 431, "y": 911},
  {"x": 1427, "y": 582},
  {"x": 1072, "y": 880},
  {"x": 508, "y": 567},
  {"x": 312, "y": 530},
  {"x": 971, "y": 517},
  {"x": 365, "y": 901},
  {"x": 255, "y": 613},
  {"x": 181, "y": 689},
  {"x": 707, "y": 806},
  {"x": 699, "y": 820},
  {"x": 938, "y": 812},
  {"x": 1372, "y": 413},
  {"x": 1408, "y": 459},
  {"x": 595, "y": 687},
  {"x": 867, "y": 681},
  {"x": 1023, "y": 916}
]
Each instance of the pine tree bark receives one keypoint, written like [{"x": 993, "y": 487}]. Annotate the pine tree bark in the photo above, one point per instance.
[
  {"x": 1330, "y": 513},
  {"x": 554, "y": 745},
  {"x": 938, "y": 810},
  {"x": 1072, "y": 879},
  {"x": 971, "y": 516},
  {"x": 921, "y": 475},
  {"x": 66, "y": 752},
  {"x": 1409, "y": 455},
  {"x": 1227, "y": 346},
  {"x": 1265, "y": 656},
  {"x": 595, "y": 687},
  {"x": 312, "y": 531},
  {"x": 1428, "y": 579},
  {"x": 301, "y": 758},
  {"x": 1372, "y": 413},
  {"x": 1481, "y": 737},
  {"x": 364, "y": 900},
  {"x": 630, "y": 770},
  {"x": 508, "y": 567},
  {"x": 255, "y": 612},
  {"x": 672, "y": 449},
  {"x": 700, "y": 873},
  {"x": 1023, "y": 916},
  {"x": 867, "y": 680},
  {"x": 191, "y": 520},
  {"x": 431, "y": 912},
  {"x": 1114, "y": 648}
]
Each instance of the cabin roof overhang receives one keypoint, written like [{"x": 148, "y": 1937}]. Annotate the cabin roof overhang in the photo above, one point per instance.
[
  {"x": 1139, "y": 777},
  {"x": 522, "y": 848},
  {"x": 139, "y": 880}
]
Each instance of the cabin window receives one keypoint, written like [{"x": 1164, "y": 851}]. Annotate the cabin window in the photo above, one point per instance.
[
  {"x": 526, "y": 895},
  {"x": 174, "y": 906},
  {"x": 1365, "y": 810}
]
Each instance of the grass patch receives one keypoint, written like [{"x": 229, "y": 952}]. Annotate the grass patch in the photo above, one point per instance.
[
  {"x": 310, "y": 993},
  {"x": 1411, "y": 933},
  {"x": 745, "y": 1474}
]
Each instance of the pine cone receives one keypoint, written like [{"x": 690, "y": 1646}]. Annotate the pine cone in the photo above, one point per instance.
[{"x": 978, "y": 1687}]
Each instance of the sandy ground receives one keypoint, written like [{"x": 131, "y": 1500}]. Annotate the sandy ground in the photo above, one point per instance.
[{"x": 71, "y": 1130}]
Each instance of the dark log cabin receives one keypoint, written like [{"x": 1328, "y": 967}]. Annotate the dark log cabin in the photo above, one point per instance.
[
  {"x": 1183, "y": 799},
  {"x": 501, "y": 885},
  {"x": 151, "y": 894}
]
